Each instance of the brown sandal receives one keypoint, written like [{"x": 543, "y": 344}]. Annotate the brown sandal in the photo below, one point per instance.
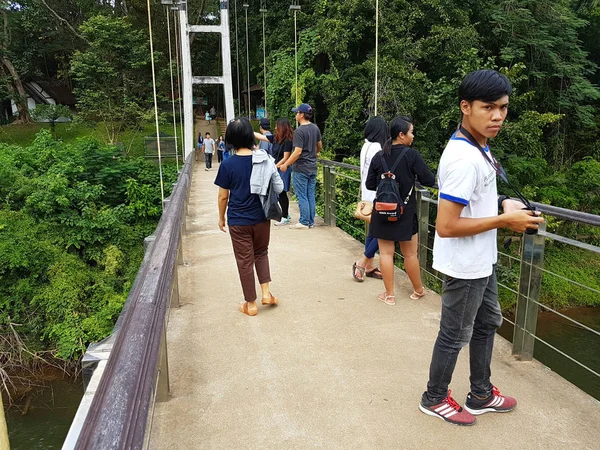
[
  {"x": 243, "y": 307},
  {"x": 272, "y": 300},
  {"x": 361, "y": 270},
  {"x": 375, "y": 273}
]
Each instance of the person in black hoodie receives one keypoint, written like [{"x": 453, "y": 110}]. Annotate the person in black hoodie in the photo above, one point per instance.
[{"x": 404, "y": 230}]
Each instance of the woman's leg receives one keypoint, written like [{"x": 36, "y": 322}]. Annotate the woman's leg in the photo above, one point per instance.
[
  {"x": 366, "y": 260},
  {"x": 242, "y": 241},
  {"x": 260, "y": 241},
  {"x": 409, "y": 250},
  {"x": 284, "y": 201},
  {"x": 386, "y": 259}
]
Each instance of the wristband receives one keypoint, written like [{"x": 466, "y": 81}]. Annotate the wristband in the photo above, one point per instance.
[{"x": 501, "y": 199}]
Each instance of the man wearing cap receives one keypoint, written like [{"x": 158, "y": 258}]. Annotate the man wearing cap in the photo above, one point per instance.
[
  {"x": 307, "y": 146},
  {"x": 265, "y": 126}
]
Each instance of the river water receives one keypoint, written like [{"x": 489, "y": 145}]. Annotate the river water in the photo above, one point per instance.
[
  {"x": 47, "y": 422},
  {"x": 49, "y": 417}
]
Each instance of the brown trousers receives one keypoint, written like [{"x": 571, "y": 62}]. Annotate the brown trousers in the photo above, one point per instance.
[{"x": 251, "y": 248}]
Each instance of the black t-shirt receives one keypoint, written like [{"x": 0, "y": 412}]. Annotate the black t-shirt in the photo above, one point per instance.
[
  {"x": 306, "y": 137},
  {"x": 243, "y": 207},
  {"x": 411, "y": 165},
  {"x": 279, "y": 148}
]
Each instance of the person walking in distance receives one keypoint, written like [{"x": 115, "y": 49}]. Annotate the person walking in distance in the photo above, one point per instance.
[
  {"x": 465, "y": 251},
  {"x": 220, "y": 149},
  {"x": 406, "y": 164},
  {"x": 249, "y": 228},
  {"x": 303, "y": 160},
  {"x": 282, "y": 149},
  {"x": 208, "y": 147},
  {"x": 199, "y": 144}
]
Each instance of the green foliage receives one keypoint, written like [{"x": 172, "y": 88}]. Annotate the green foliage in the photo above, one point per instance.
[
  {"x": 71, "y": 238},
  {"x": 112, "y": 75}
]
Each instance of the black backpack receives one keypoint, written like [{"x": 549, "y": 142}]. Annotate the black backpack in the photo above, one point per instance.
[{"x": 387, "y": 197}]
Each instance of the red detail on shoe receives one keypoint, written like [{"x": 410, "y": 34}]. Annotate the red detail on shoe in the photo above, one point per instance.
[
  {"x": 450, "y": 411},
  {"x": 498, "y": 403}
]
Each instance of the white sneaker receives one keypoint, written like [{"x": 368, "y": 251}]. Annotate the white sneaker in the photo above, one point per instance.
[
  {"x": 299, "y": 226},
  {"x": 283, "y": 221}
]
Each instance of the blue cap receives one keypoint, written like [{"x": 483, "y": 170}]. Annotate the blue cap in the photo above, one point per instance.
[{"x": 303, "y": 108}]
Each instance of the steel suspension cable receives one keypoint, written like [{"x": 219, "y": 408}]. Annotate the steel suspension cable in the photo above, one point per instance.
[
  {"x": 296, "y": 54},
  {"x": 172, "y": 89},
  {"x": 162, "y": 188},
  {"x": 247, "y": 57},
  {"x": 376, "y": 50},
  {"x": 177, "y": 26},
  {"x": 237, "y": 61}
]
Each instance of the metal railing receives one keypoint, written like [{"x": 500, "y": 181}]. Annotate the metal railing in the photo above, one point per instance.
[
  {"x": 340, "y": 186},
  {"x": 127, "y": 372}
]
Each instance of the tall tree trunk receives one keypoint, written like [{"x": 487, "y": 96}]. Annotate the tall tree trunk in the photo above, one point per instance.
[{"x": 19, "y": 96}]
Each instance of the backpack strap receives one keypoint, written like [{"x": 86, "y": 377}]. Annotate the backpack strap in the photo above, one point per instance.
[
  {"x": 398, "y": 159},
  {"x": 385, "y": 166}
]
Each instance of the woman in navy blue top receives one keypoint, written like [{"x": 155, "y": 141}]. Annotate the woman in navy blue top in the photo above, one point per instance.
[{"x": 249, "y": 229}]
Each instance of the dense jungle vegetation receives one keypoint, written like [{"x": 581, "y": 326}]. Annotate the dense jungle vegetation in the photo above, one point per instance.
[{"x": 73, "y": 213}]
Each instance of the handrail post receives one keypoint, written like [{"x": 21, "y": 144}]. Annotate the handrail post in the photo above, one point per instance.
[
  {"x": 162, "y": 388},
  {"x": 332, "y": 209},
  {"x": 326, "y": 199},
  {"x": 423, "y": 217},
  {"x": 530, "y": 283}
]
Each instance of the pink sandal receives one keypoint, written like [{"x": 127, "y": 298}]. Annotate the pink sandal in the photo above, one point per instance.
[
  {"x": 387, "y": 299},
  {"x": 417, "y": 295}
]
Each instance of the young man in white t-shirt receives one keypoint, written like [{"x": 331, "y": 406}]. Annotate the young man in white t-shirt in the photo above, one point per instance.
[{"x": 465, "y": 251}]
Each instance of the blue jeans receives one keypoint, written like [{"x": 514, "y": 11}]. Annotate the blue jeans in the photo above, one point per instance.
[
  {"x": 371, "y": 246},
  {"x": 470, "y": 315},
  {"x": 304, "y": 188}
]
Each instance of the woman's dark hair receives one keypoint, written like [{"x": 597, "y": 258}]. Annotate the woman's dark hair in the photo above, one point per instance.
[
  {"x": 484, "y": 85},
  {"x": 376, "y": 130},
  {"x": 283, "y": 131},
  {"x": 398, "y": 125},
  {"x": 240, "y": 134}
]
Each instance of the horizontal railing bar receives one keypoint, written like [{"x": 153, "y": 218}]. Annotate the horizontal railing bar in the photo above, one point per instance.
[
  {"x": 507, "y": 288},
  {"x": 579, "y": 324},
  {"x": 573, "y": 242},
  {"x": 555, "y": 211},
  {"x": 568, "y": 280},
  {"x": 592, "y": 371}
]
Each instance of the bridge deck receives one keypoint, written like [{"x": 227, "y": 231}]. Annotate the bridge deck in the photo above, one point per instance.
[{"x": 331, "y": 367}]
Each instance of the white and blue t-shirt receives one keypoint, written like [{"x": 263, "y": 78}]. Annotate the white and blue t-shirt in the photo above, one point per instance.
[{"x": 465, "y": 177}]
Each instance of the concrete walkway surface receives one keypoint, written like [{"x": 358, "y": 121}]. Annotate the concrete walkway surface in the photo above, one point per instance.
[{"x": 330, "y": 367}]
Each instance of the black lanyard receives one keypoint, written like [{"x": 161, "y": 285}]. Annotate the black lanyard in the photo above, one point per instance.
[{"x": 496, "y": 166}]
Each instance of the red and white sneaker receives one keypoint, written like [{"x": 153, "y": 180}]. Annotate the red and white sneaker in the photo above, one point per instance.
[
  {"x": 496, "y": 403},
  {"x": 450, "y": 411}
]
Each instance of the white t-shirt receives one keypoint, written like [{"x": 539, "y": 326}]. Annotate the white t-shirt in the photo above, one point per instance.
[
  {"x": 465, "y": 177},
  {"x": 209, "y": 145},
  {"x": 367, "y": 152}
]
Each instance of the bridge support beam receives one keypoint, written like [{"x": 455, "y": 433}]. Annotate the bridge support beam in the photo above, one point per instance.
[{"x": 189, "y": 80}]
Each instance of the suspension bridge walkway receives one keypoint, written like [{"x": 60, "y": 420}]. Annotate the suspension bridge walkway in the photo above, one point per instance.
[{"x": 330, "y": 367}]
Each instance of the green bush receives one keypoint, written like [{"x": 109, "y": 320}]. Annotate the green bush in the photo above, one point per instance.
[{"x": 72, "y": 223}]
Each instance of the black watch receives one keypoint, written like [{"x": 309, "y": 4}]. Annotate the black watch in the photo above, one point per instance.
[{"x": 500, "y": 200}]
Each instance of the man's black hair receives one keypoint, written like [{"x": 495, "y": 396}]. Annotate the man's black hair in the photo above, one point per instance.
[
  {"x": 240, "y": 134},
  {"x": 207, "y": 133},
  {"x": 307, "y": 116},
  {"x": 484, "y": 85}
]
